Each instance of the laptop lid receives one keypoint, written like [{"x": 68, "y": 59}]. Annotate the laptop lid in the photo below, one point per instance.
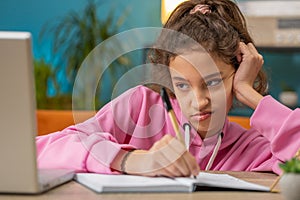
[{"x": 18, "y": 169}]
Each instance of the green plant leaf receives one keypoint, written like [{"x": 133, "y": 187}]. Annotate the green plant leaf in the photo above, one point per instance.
[{"x": 291, "y": 166}]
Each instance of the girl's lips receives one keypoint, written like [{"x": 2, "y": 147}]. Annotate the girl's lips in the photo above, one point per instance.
[{"x": 201, "y": 116}]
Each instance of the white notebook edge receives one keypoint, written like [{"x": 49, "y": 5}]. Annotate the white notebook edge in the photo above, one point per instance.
[
  {"x": 91, "y": 181},
  {"x": 168, "y": 184}
]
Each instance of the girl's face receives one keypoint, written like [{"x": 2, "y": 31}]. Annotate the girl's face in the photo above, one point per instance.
[{"x": 203, "y": 88}]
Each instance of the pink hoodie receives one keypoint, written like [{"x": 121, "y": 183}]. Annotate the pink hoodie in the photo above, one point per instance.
[{"x": 137, "y": 119}]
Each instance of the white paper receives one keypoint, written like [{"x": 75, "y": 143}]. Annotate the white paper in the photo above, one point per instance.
[
  {"x": 129, "y": 183},
  {"x": 223, "y": 181}
]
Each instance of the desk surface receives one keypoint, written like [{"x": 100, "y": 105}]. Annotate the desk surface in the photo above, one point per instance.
[{"x": 73, "y": 190}]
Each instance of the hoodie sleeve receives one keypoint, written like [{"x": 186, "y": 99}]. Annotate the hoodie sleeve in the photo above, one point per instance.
[
  {"x": 281, "y": 126},
  {"x": 92, "y": 145}
]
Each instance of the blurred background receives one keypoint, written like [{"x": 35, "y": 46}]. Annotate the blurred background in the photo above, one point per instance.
[{"x": 64, "y": 32}]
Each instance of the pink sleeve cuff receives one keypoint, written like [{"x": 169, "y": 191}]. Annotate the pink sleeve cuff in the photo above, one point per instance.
[
  {"x": 269, "y": 116},
  {"x": 98, "y": 161}
]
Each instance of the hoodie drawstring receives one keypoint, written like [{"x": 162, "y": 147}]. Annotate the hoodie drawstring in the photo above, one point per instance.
[
  {"x": 215, "y": 152},
  {"x": 187, "y": 129}
]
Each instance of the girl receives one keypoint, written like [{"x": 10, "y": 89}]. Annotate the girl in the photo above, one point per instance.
[{"x": 210, "y": 60}]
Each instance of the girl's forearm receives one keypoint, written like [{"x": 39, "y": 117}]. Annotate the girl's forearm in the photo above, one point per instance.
[{"x": 248, "y": 96}]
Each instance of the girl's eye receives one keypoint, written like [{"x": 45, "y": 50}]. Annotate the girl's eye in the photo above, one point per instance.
[
  {"x": 213, "y": 82},
  {"x": 182, "y": 86}
]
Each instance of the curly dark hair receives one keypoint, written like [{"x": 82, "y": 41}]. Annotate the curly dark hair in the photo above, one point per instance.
[{"x": 218, "y": 31}]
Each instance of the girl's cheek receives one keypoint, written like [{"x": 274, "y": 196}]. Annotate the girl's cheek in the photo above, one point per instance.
[{"x": 218, "y": 97}]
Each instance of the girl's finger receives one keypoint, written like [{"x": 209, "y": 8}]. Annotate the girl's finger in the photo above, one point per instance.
[
  {"x": 161, "y": 172},
  {"x": 167, "y": 172},
  {"x": 252, "y": 48},
  {"x": 192, "y": 164},
  {"x": 174, "y": 170},
  {"x": 243, "y": 48},
  {"x": 239, "y": 57},
  {"x": 182, "y": 166}
]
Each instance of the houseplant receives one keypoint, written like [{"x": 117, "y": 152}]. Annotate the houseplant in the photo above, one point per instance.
[
  {"x": 74, "y": 36},
  {"x": 44, "y": 79},
  {"x": 288, "y": 95},
  {"x": 290, "y": 181}
]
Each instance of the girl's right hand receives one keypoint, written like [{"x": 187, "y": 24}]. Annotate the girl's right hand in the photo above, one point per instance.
[
  {"x": 167, "y": 157},
  {"x": 250, "y": 64}
]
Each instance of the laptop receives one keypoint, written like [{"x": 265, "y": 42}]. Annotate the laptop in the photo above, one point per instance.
[{"x": 18, "y": 168}]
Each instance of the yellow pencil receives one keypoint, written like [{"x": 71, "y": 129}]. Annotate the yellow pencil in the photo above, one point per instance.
[{"x": 171, "y": 113}]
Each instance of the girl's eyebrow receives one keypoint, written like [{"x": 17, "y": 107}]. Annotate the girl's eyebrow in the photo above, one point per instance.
[
  {"x": 213, "y": 75},
  {"x": 178, "y": 78}
]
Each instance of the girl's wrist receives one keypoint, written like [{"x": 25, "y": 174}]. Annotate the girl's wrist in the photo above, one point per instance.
[
  {"x": 248, "y": 96},
  {"x": 124, "y": 161},
  {"x": 131, "y": 161},
  {"x": 120, "y": 160}
]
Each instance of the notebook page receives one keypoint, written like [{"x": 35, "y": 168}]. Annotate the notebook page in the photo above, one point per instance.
[
  {"x": 129, "y": 183},
  {"x": 222, "y": 181}
]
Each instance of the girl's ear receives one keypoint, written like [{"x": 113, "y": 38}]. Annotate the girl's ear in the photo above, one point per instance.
[{"x": 239, "y": 55}]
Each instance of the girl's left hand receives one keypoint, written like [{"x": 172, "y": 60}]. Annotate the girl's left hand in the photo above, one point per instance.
[{"x": 251, "y": 63}]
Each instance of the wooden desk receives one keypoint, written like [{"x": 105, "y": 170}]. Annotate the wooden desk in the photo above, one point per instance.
[{"x": 73, "y": 190}]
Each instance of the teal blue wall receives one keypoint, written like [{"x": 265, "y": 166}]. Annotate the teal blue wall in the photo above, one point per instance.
[
  {"x": 283, "y": 67},
  {"x": 31, "y": 15}
]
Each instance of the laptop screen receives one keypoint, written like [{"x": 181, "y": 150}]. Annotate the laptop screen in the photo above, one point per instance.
[{"x": 17, "y": 113}]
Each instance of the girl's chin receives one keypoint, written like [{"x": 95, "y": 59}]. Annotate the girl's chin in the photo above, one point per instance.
[
  {"x": 206, "y": 131},
  {"x": 200, "y": 126},
  {"x": 201, "y": 129}
]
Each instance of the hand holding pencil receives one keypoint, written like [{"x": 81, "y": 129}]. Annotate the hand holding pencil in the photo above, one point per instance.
[{"x": 167, "y": 157}]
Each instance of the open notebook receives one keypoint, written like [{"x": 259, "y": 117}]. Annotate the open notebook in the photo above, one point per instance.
[{"x": 103, "y": 183}]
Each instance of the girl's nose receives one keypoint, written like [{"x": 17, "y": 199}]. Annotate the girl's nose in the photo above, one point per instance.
[{"x": 200, "y": 99}]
